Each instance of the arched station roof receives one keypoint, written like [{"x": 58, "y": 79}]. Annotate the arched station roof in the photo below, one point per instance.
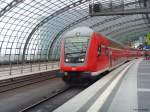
[{"x": 32, "y": 29}]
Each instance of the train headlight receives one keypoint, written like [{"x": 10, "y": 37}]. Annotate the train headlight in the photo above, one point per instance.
[
  {"x": 67, "y": 60},
  {"x": 65, "y": 73},
  {"x": 81, "y": 59}
]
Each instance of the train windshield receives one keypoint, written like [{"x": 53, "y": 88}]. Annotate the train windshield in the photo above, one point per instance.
[{"x": 75, "y": 49}]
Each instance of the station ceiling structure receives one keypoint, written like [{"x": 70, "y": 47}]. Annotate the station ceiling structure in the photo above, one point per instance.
[{"x": 33, "y": 29}]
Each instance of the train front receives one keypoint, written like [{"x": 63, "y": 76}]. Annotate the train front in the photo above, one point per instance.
[{"x": 74, "y": 50}]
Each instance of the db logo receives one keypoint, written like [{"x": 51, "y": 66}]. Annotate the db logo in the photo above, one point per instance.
[{"x": 73, "y": 69}]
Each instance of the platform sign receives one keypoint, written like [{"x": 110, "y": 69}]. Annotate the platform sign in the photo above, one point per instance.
[{"x": 148, "y": 38}]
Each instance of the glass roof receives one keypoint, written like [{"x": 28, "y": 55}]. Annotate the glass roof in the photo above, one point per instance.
[{"x": 33, "y": 29}]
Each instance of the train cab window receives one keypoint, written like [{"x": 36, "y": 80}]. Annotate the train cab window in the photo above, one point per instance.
[
  {"x": 99, "y": 50},
  {"x": 75, "y": 49}
]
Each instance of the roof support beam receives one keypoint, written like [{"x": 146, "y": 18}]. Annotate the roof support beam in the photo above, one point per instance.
[
  {"x": 133, "y": 35},
  {"x": 106, "y": 20},
  {"x": 128, "y": 32},
  {"x": 127, "y": 27},
  {"x": 121, "y": 23},
  {"x": 10, "y": 6}
]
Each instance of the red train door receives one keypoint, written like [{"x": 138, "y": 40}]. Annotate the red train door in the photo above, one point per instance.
[{"x": 110, "y": 57}]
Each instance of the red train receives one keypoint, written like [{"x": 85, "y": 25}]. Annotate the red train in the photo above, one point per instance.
[
  {"x": 147, "y": 54},
  {"x": 85, "y": 54}
]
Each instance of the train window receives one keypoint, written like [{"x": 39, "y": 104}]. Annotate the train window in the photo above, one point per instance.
[
  {"x": 99, "y": 50},
  {"x": 106, "y": 51}
]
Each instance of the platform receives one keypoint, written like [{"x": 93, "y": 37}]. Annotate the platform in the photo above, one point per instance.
[
  {"x": 18, "y": 70},
  {"x": 126, "y": 89}
]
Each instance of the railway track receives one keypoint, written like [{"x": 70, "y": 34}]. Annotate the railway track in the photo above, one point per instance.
[
  {"x": 54, "y": 100},
  {"x": 14, "y": 83},
  {"x": 55, "y": 94}
]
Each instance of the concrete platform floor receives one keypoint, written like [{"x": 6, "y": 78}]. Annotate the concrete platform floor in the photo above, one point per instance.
[{"x": 19, "y": 70}]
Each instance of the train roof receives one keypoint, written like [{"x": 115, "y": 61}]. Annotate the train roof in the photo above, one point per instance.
[{"x": 83, "y": 31}]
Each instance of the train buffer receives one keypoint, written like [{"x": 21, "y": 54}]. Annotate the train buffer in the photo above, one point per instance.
[{"x": 125, "y": 89}]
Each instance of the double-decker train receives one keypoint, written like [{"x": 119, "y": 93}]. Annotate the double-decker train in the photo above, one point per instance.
[{"x": 86, "y": 54}]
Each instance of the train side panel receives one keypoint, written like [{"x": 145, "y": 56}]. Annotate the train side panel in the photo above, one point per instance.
[
  {"x": 103, "y": 56},
  {"x": 91, "y": 55}
]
